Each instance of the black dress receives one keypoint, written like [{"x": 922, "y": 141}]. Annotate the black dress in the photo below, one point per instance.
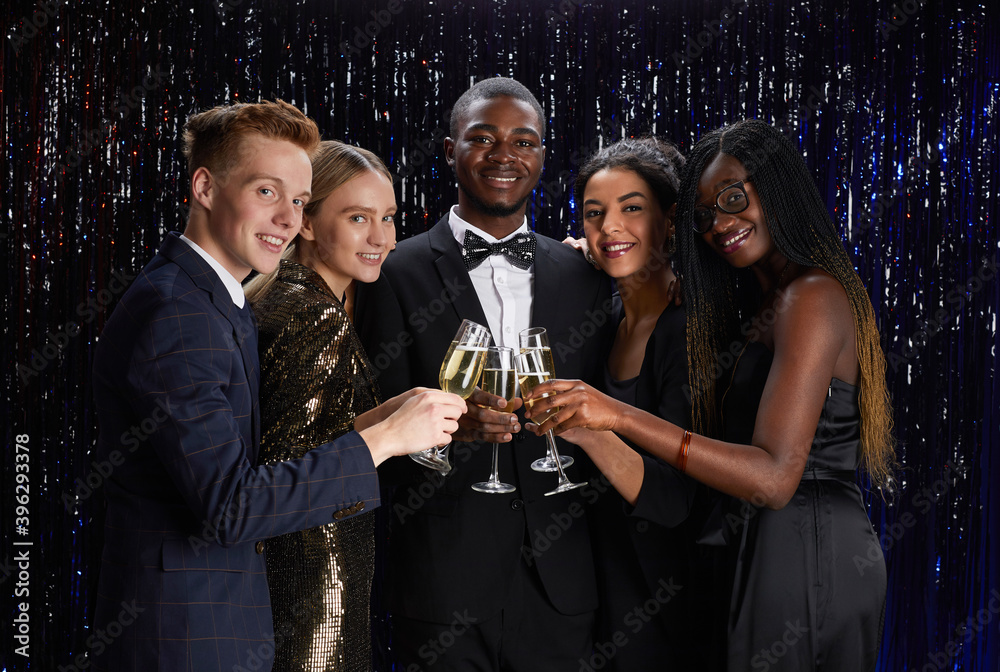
[
  {"x": 810, "y": 579},
  {"x": 641, "y": 552}
]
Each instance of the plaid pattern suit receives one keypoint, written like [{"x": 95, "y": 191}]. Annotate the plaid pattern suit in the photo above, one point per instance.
[{"x": 183, "y": 583}]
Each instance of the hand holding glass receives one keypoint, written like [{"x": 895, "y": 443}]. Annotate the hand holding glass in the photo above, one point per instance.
[
  {"x": 532, "y": 371},
  {"x": 498, "y": 379},
  {"x": 460, "y": 370},
  {"x": 537, "y": 338}
]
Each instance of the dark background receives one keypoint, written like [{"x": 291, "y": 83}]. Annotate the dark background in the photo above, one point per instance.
[{"x": 895, "y": 107}]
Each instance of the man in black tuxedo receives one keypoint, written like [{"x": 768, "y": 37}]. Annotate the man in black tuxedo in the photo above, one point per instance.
[{"x": 487, "y": 581}]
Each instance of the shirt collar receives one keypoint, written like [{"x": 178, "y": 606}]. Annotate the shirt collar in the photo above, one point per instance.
[
  {"x": 459, "y": 226},
  {"x": 232, "y": 285}
]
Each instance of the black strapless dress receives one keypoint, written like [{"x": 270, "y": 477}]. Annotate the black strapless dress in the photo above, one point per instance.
[{"x": 810, "y": 582}]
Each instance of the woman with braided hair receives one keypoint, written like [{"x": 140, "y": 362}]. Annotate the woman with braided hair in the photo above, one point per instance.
[{"x": 787, "y": 381}]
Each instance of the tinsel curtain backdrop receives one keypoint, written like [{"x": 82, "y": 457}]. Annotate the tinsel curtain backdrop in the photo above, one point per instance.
[{"x": 894, "y": 104}]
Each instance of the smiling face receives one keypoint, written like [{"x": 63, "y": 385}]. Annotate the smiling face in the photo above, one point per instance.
[
  {"x": 742, "y": 239},
  {"x": 352, "y": 231},
  {"x": 625, "y": 227},
  {"x": 249, "y": 215},
  {"x": 497, "y": 157}
]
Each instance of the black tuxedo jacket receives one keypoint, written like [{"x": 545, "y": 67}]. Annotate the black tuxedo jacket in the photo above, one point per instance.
[{"x": 452, "y": 549}]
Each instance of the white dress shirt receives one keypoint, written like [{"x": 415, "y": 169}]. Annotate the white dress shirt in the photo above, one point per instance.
[
  {"x": 505, "y": 291},
  {"x": 231, "y": 283}
]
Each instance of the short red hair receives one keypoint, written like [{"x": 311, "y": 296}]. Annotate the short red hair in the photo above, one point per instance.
[{"x": 213, "y": 138}]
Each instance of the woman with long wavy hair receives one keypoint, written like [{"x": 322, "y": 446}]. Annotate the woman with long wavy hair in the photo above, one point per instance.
[{"x": 787, "y": 382}]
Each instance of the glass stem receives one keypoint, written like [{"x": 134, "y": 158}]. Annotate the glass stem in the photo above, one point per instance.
[
  {"x": 495, "y": 475},
  {"x": 554, "y": 454}
]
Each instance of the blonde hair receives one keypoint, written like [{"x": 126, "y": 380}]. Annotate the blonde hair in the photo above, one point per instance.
[{"x": 334, "y": 164}]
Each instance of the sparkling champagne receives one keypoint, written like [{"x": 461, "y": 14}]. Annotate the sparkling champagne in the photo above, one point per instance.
[
  {"x": 499, "y": 382},
  {"x": 528, "y": 381},
  {"x": 461, "y": 369},
  {"x": 547, "y": 362}
]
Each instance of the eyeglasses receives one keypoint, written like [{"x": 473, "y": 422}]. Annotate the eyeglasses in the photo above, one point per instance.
[{"x": 732, "y": 199}]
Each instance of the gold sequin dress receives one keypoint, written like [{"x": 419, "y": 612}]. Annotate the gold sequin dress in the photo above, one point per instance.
[{"x": 315, "y": 378}]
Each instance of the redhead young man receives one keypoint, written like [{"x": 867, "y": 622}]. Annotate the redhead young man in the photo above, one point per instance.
[{"x": 183, "y": 583}]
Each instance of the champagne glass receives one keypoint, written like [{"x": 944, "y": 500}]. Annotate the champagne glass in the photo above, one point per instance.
[
  {"x": 460, "y": 370},
  {"x": 532, "y": 371},
  {"x": 498, "y": 379},
  {"x": 536, "y": 338}
]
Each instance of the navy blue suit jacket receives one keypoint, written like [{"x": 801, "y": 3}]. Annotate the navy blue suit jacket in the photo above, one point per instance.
[{"x": 183, "y": 583}]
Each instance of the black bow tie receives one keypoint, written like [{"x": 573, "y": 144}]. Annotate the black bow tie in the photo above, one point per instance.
[{"x": 519, "y": 250}]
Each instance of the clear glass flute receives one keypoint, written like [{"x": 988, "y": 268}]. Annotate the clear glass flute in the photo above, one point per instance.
[
  {"x": 532, "y": 370},
  {"x": 537, "y": 338},
  {"x": 460, "y": 371},
  {"x": 498, "y": 378}
]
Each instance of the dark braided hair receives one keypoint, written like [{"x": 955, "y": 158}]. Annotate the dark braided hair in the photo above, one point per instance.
[
  {"x": 658, "y": 162},
  {"x": 719, "y": 298}
]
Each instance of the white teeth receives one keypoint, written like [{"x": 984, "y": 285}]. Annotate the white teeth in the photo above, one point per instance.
[
  {"x": 370, "y": 257},
  {"x": 618, "y": 248},
  {"x": 500, "y": 179},
  {"x": 270, "y": 239},
  {"x": 735, "y": 239}
]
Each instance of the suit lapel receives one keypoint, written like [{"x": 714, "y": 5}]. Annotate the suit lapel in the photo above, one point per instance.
[
  {"x": 251, "y": 365},
  {"x": 545, "y": 288},
  {"x": 242, "y": 321},
  {"x": 456, "y": 284}
]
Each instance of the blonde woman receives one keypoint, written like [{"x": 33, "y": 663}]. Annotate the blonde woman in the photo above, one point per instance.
[{"x": 316, "y": 384}]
